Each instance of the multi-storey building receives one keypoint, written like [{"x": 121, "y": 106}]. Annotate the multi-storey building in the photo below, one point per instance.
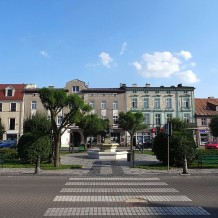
[
  {"x": 205, "y": 109},
  {"x": 158, "y": 104},
  {"x": 12, "y": 110}
]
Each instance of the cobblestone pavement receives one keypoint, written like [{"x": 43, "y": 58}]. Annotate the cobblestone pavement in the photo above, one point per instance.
[
  {"x": 107, "y": 167},
  {"x": 113, "y": 189}
]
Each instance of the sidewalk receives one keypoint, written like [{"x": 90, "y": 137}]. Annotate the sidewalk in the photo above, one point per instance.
[{"x": 121, "y": 166}]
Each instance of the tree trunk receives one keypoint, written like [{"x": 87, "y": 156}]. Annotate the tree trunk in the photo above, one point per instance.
[
  {"x": 185, "y": 168},
  {"x": 131, "y": 143},
  {"x": 57, "y": 141}
]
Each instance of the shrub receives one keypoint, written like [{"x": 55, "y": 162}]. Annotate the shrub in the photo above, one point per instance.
[
  {"x": 180, "y": 145},
  {"x": 9, "y": 154},
  {"x": 30, "y": 147}
]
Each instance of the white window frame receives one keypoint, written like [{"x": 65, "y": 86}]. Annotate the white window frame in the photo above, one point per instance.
[
  {"x": 103, "y": 105},
  {"x": 186, "y": 117},
  {"x": 92, "y": 104},
  {"x": 33, "y": 105},
  {"x": 115, "y": 105},
  {"x": 75, "y": 89},
  {"x": 134, "y": 103},
  {"x": 186, "y": 102},
  {"x": 168, "y": 103},
  {"x": 115, "y": 119},
  {"x": 157, "y": 103},
  {"x": 147, "y": 118},
  {"x": 146, "y": 103},
  {"x": 204, "y": 121},
  {"x": 157, "y": 119}
]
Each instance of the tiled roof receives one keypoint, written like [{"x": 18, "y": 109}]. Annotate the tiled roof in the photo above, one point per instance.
[
  {"x": 206, "y": 106},
  {"x": 19, "y": 91}
]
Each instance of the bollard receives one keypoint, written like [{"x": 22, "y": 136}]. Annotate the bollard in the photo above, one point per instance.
[{"x": 37, "y": 169}]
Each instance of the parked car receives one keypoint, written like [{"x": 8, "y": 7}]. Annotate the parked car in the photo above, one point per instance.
[
  {"x": 211, "y": 145},
  {"x": 7, "y": 144}
]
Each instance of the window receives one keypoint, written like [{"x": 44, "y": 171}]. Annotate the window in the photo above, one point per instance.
[
  {"x": 146, "y": 119},
  {"x": 103, "y": 117},
  {"x": 59, "y": 120},
  {"x": 115, "y": 119},
  {"x": 186, "y": 102},
  {"x": 157, "y": 103},
  {"x": 33, "y": 105},
  {"x": 12, "y": 123},
  {"x": 203, "y": 121},
  {"x": 13, "y": 106},
  {"x": 169, "y": 117},
  {"x": 0, "y": 106},
  {"x": 92, "y": 104},
  {"x": 9, "y": 92},
  {"x": 103, "y": 105},
  {"x": 146, "y": 103},
  {"x": 168, "y": 103},
  {"x": 157, "y": 119},
  {"x": 186, "y": 118},
  {"x": 75, "y": 89},
  {"x": 134, "y": 103},
  {"x": 115, "y": 105}
]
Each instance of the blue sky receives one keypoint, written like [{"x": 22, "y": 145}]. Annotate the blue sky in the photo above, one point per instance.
[{"x": 108, "y": 42}]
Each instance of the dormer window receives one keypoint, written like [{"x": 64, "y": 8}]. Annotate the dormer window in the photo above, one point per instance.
[{"x": 9, "y": 92}]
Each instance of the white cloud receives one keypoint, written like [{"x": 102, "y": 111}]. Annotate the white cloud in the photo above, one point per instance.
[
  {"x": 106, "y": 60},
  {"x": 44, "y": 54},
  {"x": 137, "y": 65},
  {"x": 186, "y": 54},
  {"x": 165, "y": 65},
  {"x": 123, "y": 48},
  {"x": 188, "y": 77}
]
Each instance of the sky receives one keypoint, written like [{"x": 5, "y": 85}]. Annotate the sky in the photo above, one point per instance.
[{"x": 108, "y": 42}]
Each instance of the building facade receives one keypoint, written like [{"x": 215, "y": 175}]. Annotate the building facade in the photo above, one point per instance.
[
  {"x": 12, "y": 110},
  {"x": 158, "y": 105},
  {"x": 205, "y": 109}
]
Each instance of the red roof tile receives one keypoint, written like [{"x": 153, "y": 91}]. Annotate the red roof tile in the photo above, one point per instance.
[
  {"x": 206, "y": 106},
  {"x": 19, "y": 91}
]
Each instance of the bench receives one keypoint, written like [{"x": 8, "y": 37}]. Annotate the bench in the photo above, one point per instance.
[
  {"x": 1, "y": 159},
  {"x": 207, "y": 159}
]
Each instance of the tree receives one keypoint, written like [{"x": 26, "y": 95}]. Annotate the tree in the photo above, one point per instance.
[
  {"x": 181, "y": 145},
  {"x": 38, "y": 124},
  {"x": 2, "y": 130},
  {"x": 36, "y": 140},
  {"x": 92, "y": 125},
  {"x": 131, "y": 122},
  {"x": 55, "y": 101},
  {"x": 214, "y": 126}
]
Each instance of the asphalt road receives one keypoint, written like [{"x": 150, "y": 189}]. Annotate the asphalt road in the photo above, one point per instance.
[{"x": 108, "y": 196}]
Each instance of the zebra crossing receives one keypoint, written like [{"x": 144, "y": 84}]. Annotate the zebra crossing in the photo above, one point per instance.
[{"x": 121, "y": 197}]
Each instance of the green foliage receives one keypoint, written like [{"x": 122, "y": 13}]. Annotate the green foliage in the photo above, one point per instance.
[
  {"x": 55, "y": 101},
  {"x": 131, "y": 122},
  {"x": 160, "y": 147},
  {"x": 30, "y": 147},
  {"x": 9, "y": 154},
  {"x": 92, "y": 124},
  {"x": 181, "y": 144},
  {"x": 205, "y": 151},
  {"x": 214, "y": 126},
  {"x": 38, "y": 124}
]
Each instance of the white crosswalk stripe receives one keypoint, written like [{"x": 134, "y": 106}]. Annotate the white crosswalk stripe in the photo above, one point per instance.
[{"x": 124, "y": 192}]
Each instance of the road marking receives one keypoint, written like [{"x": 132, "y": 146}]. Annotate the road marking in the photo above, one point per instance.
[
  {"x": 125, "y": 211},
  {"x": 151, "y": 198},
  {"x": 114, "y": 179},
  {"x": 118, "y": 190},
  {"x": 115, "y": 183}
]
